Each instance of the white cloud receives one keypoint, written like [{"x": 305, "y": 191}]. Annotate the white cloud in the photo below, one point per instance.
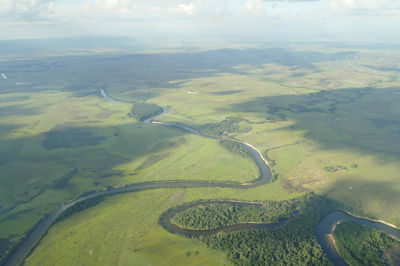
[
  {"x": 254, "y": 5},
  {"x": 364, "y": 4},
  {"x": 343, "y": 4},
  {"x": 187, "y": 9},
  {"x": 209, "y": 16},
  {"x": 123, "y": 7},
  {"x": 26, "y": 9}
]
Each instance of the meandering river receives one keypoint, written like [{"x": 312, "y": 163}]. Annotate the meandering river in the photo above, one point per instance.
[{"x": 323, "y": 230}]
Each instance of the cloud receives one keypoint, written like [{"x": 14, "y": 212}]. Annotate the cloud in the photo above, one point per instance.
[
  {"x": 304, "y": 0},
  {"x": 239, "y": 17},
  {"x": 335, "y": 4},
  {"x": 254, "y": 5},
  {"x": 187, "y": 9},
  {"x": 25, "y": 9},
  {"x": 364, "y": 4},
  {"x": 123, "y": 7}
]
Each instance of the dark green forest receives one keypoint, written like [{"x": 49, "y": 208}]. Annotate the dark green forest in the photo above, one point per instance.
[
  {"x": 229, "y": 125},
  {"x": 218, "y": 215},
  {"x": 143, "y": 111},
  {"x": 293, "y": 244},
  {"x": 362, "y": 245}
]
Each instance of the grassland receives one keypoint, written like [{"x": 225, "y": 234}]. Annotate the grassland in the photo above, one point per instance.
[
  {"x": 131, "y": 221},
  {"x": 124, "y": 230},
  {"x": 307, "y": 119},
  {"x": 55, "y": 146},
  {"x": 307, "y": 111}
]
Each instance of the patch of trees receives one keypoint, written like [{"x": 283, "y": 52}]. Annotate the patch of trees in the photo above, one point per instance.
[
  {"x": 229, "y": 125},
  {"x": 234, "y": 147},
  {"x": 293, "y": 244},
  {"x": 143, "y": 111},
  {"x": 222, "y": 214},
  {"x": 77, "y": 207},
  {"x": 362, "y": 245},
  {"x": 335, "y": 168}
]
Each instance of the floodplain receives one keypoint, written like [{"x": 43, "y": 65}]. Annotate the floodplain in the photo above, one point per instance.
[{"x": 325, "y": 119}]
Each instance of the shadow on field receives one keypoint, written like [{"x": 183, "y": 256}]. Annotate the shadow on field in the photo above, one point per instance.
[
  {"x": 130, "y": 76},
  {"x": 89, "y": 153},
  {"x": 27, "y": 164},
  {"x": 361, "y": 194},
  {"x": 17, "y": 109},
  {"x": 110, "y": 146},
  {"x": 365, "y": 119},
  {"x": 7, "y": 128}
]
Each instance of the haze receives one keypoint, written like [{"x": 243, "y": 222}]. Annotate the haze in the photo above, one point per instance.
[{"x": 177, "y": 22}]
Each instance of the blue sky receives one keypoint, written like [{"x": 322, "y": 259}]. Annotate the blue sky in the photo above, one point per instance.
[{"x": 266, "y": 20}]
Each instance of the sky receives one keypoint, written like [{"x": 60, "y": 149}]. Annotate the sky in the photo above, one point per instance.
[{"x": 374, "y": 21}]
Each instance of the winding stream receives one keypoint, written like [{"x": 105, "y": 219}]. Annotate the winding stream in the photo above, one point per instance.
[{"x": 323, "y": 230}]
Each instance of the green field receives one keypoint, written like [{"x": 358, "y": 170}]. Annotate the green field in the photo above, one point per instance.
[
  {"x": 327, "y": 120},
  {"x": 345, "y": 114},
  {"x": 48, "y": 159},
  {"x": 124, "y": 230}
]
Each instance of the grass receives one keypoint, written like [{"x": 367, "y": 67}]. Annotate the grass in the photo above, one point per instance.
[
  {"x": 307, "y": 111},
  {"x": 343, "y": 113},
  {"x": 197, "y": 159},
  {"x": 129, "y": 220},
  {"x": 124, "y": 229},
  {"x": 49, "y": 133}
]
